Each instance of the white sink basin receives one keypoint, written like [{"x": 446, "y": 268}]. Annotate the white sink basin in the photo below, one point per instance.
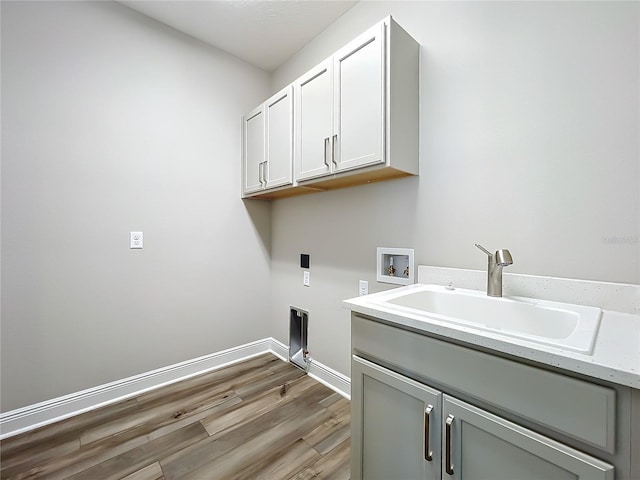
[{"x": 563, "y": 325}]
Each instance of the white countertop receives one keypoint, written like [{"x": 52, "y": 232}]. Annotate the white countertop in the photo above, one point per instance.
[{"x": 615, "y": 357}]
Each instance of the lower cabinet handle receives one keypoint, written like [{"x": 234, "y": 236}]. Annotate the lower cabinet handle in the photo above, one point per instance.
[
  {"x": 428, "y": 454},
  {"x": 326, "y": 143},
  {"x": 333, "y": 149},
  {"x": 448, "y": 467}
]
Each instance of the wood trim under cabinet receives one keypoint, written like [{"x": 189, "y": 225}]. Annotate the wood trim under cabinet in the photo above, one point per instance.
[{"x": 342, "y": 181}]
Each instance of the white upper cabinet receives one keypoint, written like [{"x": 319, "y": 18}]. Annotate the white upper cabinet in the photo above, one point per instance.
[
  {"x": 342, "y": 120},
  {"x": 374, "y": 106},
  {"x": 340, "y": 110},
  {"x": 268, "y": 144},
  {"x": 354, "y": 120},
  {"x": 359, "y": 102},
  {"x": 253, "y": 152},
  {"x": 279, "y": 128},
  {"x": 313, "y": 122}
]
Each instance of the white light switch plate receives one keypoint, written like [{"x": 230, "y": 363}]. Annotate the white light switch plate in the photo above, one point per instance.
[
  {"x": 363, "y": 288},
  {"x": 306, "y": 278},
  {"x": 135, "y": 240}
]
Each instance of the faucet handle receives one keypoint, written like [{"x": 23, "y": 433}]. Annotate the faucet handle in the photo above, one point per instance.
[{"x": 483, "y": 249}]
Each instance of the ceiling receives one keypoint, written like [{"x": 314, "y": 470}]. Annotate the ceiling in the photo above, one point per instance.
[{"x": 265, "y": 33}]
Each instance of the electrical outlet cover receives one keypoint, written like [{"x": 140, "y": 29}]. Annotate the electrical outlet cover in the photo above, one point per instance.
[{"x": 135, "y": 240}]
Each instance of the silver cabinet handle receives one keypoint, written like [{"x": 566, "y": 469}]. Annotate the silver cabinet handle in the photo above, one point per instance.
[
  {"x": 448, "y": 467},
  {"x": 260, "y": 174},
  {"x": 264, "y": 172},
  {"x": 428, "y": 454},
  {"x": 333, "y": 149},
  {"x": 326, "y": 143}
]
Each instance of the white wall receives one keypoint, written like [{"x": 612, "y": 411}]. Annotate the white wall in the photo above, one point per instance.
[
  {"x": 112, "y": 122},
  {"x": 529, "y": 141}
]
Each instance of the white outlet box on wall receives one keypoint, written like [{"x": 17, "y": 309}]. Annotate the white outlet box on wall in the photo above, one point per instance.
[
  {"x": 395, "y": 265},
  {"x": 135, "y": 240}
]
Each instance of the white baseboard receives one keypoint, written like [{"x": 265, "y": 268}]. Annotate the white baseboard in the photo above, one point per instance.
[
  {"x": 50, "y": 411},
  {"x": 334, "y": 380},
  {"x": 279, "y": 349}
]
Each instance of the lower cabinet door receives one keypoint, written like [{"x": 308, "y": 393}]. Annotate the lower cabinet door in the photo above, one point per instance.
[
  {"x": 478, "y": 445},
  {"x": 395, "y": 425}
]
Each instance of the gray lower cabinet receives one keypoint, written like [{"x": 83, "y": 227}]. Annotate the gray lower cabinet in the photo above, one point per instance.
[
  {"x": 480, "y": 445},
  {"x": 395, "y": 431},
  {"x": 404, "y": 429}
]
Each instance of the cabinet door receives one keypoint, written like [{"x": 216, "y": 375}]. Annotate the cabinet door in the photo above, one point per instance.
[
  {"x": 313, "y": 122},
  {"x": 279, "y": 117},
  {"x": 395, "y": 425},
  {"x": 479, "y": 445},
  {"x": 359, "y": 101},
  {"x": 253, "y": 151}
]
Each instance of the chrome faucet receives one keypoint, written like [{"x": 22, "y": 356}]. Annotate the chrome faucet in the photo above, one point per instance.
[{"x": 502, "y": 258}]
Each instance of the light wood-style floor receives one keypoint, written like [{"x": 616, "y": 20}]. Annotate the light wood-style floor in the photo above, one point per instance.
[{"x": 259, "y": 419}]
